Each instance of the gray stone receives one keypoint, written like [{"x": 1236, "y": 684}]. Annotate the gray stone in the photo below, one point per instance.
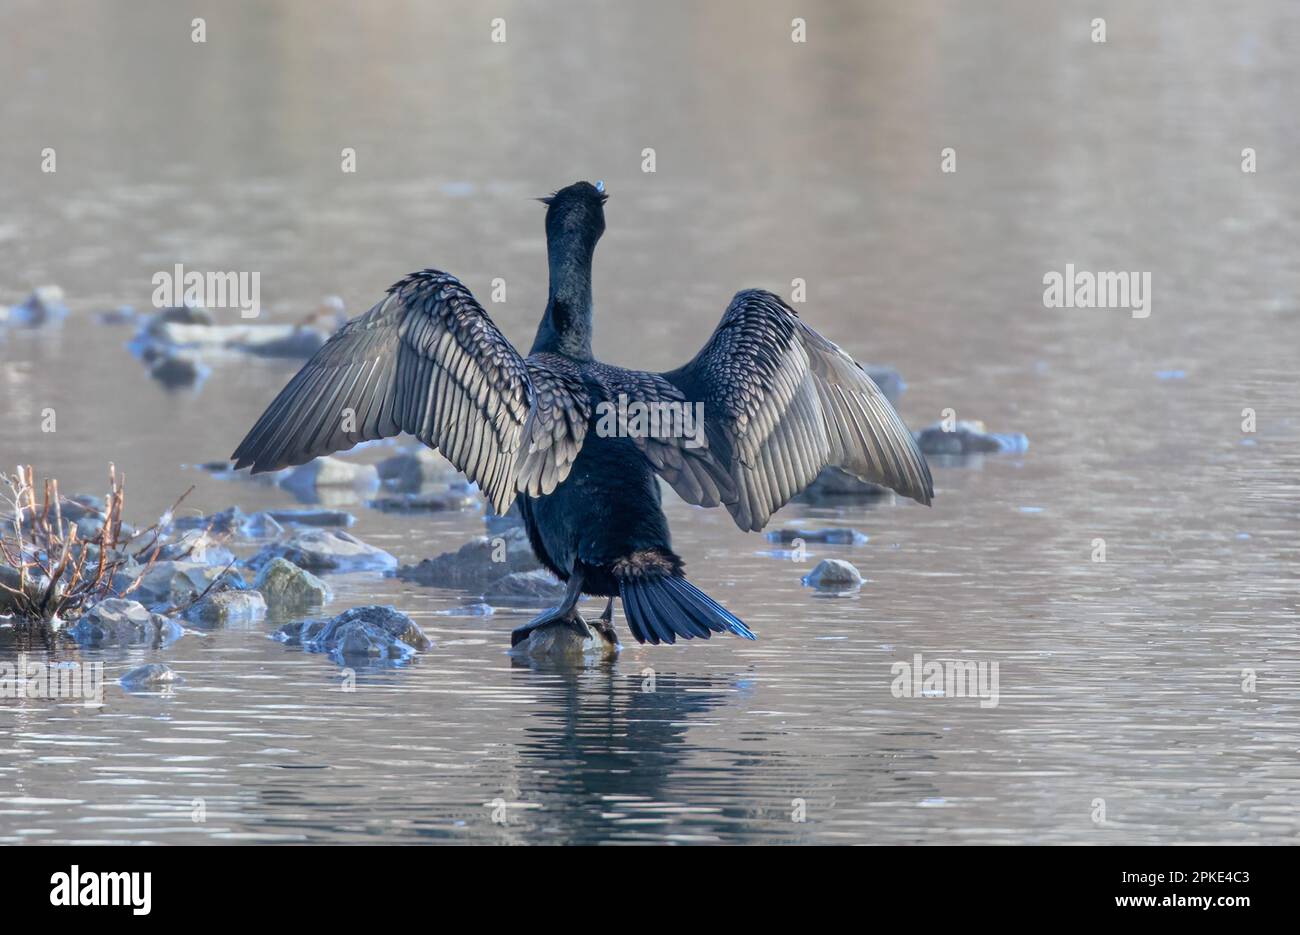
[
  {"x": 328, "y": 471},
  {"x": 834, "y": 574},
  {"x": 424, "y": 502},
  {"x": 476, "y": 564},
  {"x": 152, "y": 677},
  {"x": 300, "y": 343},
  {"x": 968, "y": 437},
  {"x": 43, "y": 307},
  {"x": 888, "y": 379},
  {"x": 176, "y": 371},
  {"x": 832, "y": 483},
  {"x": 371, "y": 634},
  {"x": 535, "y": 588},
  {"x": 288, "y": 588},
  {"x": 123, "y": 622},
  {"x": 414, "y": 467},
  {"x": 831, "y": 536},
  {"x": 227, "y": 607},
  {"x": 174, "y": 583},
  {"x": 325, "y": 550},
  {"x": 197, "y": 545},
  {"x": 319, "y": 518}
]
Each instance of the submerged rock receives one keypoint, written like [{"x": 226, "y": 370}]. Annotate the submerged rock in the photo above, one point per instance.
[
  {"x": 174, "y": 583},
  {"x": 888, "y": 379},
  {"x": 424, "y": 502},
  {"x": 43, "y": 307},
  {"x": 196, "y": 545},
  {"x": 123, "y": 622},
  {"x": 151, "y": 677},
  {"x": 325, "y": 550},
  {"x": 968, "y": 437},
  {"x": 288, "y": 588},
  {"x": 227, "y": 607},
  {"x": 497, "y": 524},
  {"x": 830, "y": 536},
  {"x": 122, "y": 315},
  {"x": 414, "y": 467},
  {"x": 175, "y": 371},
  {"x": 524, "y": 589},
  {"x": 299, "y": 343},
  {"x": 316, "y": 518},
  {"x": 563, "y": 644},
  {"x": 834, "y": 574},
  {"x": 328, "y": 471},
  {"x": 832, "y": 483},
  {"x": 374, "y": 633},
  {"x": 476, "y": 564}
]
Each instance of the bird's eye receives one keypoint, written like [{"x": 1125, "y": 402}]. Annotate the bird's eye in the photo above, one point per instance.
[{"x": 600, "y": 186}]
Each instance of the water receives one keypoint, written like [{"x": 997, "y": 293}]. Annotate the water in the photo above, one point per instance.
[{"x": 1119, "y": 681}]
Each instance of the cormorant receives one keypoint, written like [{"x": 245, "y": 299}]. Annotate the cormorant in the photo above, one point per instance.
[{"x": 779, "y": 403}]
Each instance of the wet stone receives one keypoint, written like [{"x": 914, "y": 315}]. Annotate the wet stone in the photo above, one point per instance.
[
  {"x": 834, "y": 574},
  {"x": 227, "y": 608},
  {"x": 325, "y": 550},
  {"x": 288, "y": 588},
  {"x": 119, "y": 621},
  {"x": 152, "y": 677}
]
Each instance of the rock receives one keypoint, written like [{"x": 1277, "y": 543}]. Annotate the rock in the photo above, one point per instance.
[
  {"x": 372, "y": 633},
  {"x": 262, "y": 525},
  {"x": 198, "y": 546},
  {"x": 535, "y": 588},
  {"x": 123, "y": 622},
  {"x": 830, "y": 536},
  {"x": 888, "y": 379},
  {"x": 469, "y": 610},
  {"x": 496, "y": 525},
  {"x": 325, "y": 550},
  {"x": 329, "y": 471},
  {"x": 152, "y": 677},
  {"x": 226, "y": 607},
  {"x": 33, "y": 587},
  {"x": 174, "y": 583},
  {"x": 122, "y": 315},
  {"x": 968, "y": 437},
  {"x": 832, "y": 483},
  {"x": 300, "y": 343},
  {"x": 224, "y": 523},
  {"x": 177, "y": 372},
  {"x": 414, "y": 467},
  {"x": 476, "y": 564},
  {"x": 43, "y": 307},
  {"x": 318, "y": 518},
  {"x": 423, "y": 502},
  {"x": 562, "y": 644},
  {"x": 834, "y": 574},
  {"x": 178, "y": 315},
  {"x": 288, "y": 588}
]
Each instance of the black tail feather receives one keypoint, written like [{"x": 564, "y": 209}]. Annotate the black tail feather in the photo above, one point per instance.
[{"x": 660, "y": 609}]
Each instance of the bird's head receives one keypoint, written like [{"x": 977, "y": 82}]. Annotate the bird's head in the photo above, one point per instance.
[{"x": 577, "y": 209}]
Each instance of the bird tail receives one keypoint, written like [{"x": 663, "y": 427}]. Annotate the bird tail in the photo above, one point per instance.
[{"x": 662, "y": 608}]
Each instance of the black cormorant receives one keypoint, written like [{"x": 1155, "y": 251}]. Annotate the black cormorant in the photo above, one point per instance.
[{"x": 551, "y": 431}]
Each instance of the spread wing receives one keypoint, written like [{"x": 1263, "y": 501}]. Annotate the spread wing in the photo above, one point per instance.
[
  {"x": 429, "y": 361},
  {"x": 781, "y": 402}
]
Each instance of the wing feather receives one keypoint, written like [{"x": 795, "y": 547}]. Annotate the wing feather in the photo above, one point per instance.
[{"x": 782, "y": 402}]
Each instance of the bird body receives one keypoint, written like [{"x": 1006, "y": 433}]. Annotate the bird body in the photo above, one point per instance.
[{"x": 779, "y": 402}]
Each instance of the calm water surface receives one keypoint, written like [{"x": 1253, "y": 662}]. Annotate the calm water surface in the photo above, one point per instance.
[{"x": 1119, "y": 681}]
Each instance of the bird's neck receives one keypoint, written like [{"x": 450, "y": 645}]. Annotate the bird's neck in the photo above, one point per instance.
[{"x": 566, "y": 326}]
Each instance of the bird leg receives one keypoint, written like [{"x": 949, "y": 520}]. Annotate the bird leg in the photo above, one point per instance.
[
  {"x": 605, "y": 625},
  {"x": 566, "y": 614}
]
